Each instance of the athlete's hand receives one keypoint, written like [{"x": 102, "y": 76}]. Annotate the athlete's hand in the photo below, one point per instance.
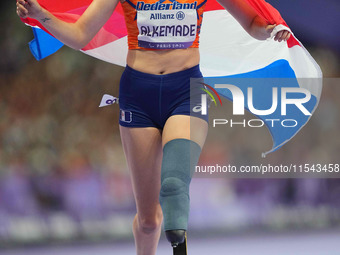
[
  {"x": 283, "y": 35},
  {"x": 29, "y": 8}
]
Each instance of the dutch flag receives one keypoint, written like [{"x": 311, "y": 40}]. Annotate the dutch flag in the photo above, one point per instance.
[{"x": 227, "y": 51}]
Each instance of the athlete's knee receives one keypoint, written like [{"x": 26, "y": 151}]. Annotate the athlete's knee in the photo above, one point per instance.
[
  {"x": 148, "y": 226},
  {"x": 172, "y": 186},
  {"x": 150, "y": 223}
]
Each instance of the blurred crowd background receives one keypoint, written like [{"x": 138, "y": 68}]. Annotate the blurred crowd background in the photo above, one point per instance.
[{"x": 63, "y": 175}]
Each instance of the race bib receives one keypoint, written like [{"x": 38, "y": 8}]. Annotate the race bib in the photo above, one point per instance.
[{"x": 167, "y": 29}]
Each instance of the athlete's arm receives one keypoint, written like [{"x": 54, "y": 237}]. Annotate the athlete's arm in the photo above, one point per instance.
[
  {"x": 251, "y": 22},
  {"x": 75, "y": 35}
]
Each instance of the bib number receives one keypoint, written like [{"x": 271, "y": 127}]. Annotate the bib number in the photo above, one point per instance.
[{"x": 167, "y": 29}]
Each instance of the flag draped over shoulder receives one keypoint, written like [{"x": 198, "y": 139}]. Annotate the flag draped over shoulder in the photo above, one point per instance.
[{"x": 226, "y": 51}]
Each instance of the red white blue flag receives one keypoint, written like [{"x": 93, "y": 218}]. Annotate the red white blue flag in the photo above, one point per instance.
[{"x": 226, "y": 51}]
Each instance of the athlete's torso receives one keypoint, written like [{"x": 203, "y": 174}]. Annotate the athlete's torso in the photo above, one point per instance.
[{"x": 166, "y": 60}]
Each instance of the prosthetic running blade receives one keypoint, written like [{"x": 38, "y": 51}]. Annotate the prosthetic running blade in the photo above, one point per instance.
[{"x": 181, "y": 249}]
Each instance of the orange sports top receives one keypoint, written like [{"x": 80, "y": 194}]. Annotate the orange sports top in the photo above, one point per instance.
[{"x": 163, "y": 24}]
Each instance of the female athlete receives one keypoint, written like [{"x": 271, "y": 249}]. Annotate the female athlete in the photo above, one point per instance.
[{"x": 154, "y": 99}]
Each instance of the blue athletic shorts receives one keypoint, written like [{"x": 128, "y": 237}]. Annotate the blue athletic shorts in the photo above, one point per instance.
[{"x": 148, "y": 100}]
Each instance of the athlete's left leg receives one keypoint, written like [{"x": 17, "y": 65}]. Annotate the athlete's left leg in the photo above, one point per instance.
[{"x": 182, "y": 140}]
